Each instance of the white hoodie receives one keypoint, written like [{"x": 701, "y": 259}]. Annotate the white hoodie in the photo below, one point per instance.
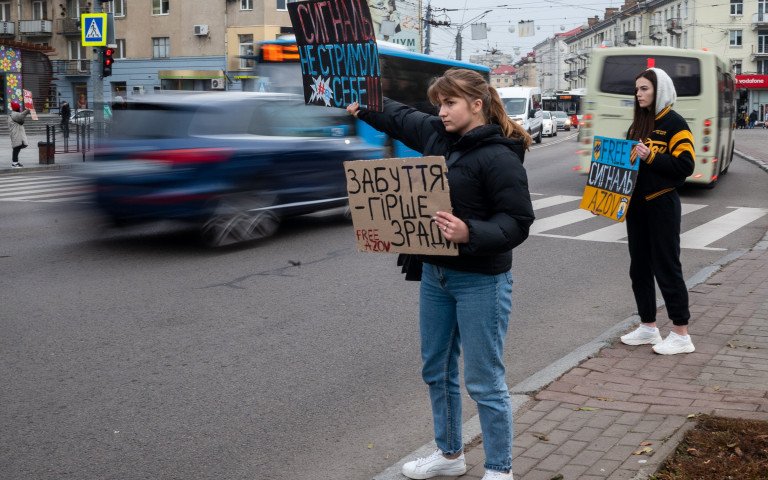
[{"x": 665, "y": 90}]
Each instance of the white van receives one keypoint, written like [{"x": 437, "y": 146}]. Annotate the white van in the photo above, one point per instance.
[{"x": 523, "y": 105}]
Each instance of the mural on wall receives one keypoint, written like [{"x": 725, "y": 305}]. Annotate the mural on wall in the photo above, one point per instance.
[
  {"x": 10, "y": 68},
  {"x": 397, "y": 21}
]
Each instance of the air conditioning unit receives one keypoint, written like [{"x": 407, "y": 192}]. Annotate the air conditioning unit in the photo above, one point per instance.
[
  {"x": 201, "y": 30},
  {"x": 217, "y": 84}
]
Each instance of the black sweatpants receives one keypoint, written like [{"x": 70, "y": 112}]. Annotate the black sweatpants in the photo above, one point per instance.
[{"x": 653, "y": 229}]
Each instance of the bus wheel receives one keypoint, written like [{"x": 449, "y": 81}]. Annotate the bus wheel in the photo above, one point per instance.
[
  {"x": 538, "y": 137},
  {"x": 239, "y": 218},
  {"x": 730, "y": 159}
]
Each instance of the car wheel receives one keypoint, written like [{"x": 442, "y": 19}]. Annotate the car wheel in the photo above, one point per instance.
[
  {"x": 239, "y": 218},
  {"x": 554, "y": 133},
  {"x": 538, "y": 137}
]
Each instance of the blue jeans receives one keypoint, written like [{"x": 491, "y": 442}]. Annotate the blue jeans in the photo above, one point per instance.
[{"x": 469, "y": 312}]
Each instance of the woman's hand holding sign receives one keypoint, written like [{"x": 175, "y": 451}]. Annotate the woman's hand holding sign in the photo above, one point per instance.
[
  {"x": 453, "y": 228},
  {"x": 642, "y": 151},
  {"x": 353, "y": 109}
]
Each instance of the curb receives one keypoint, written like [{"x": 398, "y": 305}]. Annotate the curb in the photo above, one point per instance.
[
  {"x": 522, "y": 393},
  {"x": 759, "y": 163}
]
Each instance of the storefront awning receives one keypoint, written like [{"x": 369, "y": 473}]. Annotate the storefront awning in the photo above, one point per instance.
[{"x": 190, "y": 74}]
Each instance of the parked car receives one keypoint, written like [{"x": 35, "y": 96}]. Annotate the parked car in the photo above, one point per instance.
[
  {"x": 563, "y": 120},
  {"x": 548, "y": 125},
  {"x": 232, "y": 163},
  {"x": 84, "y": 116}
]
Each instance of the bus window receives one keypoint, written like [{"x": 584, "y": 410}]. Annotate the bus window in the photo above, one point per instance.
[{"x": 619, "y": 74}]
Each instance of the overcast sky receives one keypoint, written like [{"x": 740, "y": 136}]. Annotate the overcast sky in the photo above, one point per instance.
[{"x": 548, "y": 17}]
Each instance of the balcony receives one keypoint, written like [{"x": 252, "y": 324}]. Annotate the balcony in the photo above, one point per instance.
[
  {"x": 759, "y": 52},
  {"x": 583, "y": 53},
  {"x": 72, "y": 68},
  {"x": 656, "y": 33},
  {"x": 630, "y": 38},
  {"x": 68, "y": 26},
  {"x": 582, "y": 73},
  {"x": 674, "y": 26},
  {"x": 571, "y": 57},
  {"x": 36, "y": 28},
  {"x": 7, "y": 29},
  {"x": 759, "y": 20}
]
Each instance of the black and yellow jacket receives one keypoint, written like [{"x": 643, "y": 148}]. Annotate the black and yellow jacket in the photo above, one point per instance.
[{"x": 672, "y": 156}]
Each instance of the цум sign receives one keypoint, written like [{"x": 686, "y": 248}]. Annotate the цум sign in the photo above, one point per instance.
[
  {"x": 393, "y": 201},
  {"x": 611, "y": 178},
  {"x": 338, "y": 53}
]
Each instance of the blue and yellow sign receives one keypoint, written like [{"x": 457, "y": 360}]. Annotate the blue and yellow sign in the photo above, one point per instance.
[
  {"x": 612, "y": 177},
  {"x": 94, "y": 29}
]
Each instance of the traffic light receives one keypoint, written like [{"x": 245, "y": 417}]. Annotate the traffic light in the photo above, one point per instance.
[{"x": 106, "y": 61}]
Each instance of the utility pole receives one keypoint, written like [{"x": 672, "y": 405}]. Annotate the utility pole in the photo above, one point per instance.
[
  {"x": 427, "y": 28},
  {"x": 458, "y": 44}
]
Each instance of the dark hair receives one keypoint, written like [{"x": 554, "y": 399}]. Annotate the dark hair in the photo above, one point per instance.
[
  {"x": 470, "y": 85},
  {"x": 643, "y": 121}
]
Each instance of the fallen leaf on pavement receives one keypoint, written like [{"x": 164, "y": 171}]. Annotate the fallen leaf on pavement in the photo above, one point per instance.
[
  {"x": 643, "y": 451},
  {"x": 587, "y": 409}
]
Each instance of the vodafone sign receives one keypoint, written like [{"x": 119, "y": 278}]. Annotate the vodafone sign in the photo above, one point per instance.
[{"x": 751, "y": 81}]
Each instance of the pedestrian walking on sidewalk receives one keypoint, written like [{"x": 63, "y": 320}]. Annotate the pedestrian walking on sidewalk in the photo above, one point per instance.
[
  {"x": 18, "y": 134},
  {"x": 465, "y": 301},
  {"x": 665, "y": 148}
]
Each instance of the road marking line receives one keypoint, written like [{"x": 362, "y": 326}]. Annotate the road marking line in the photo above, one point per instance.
[
  {"x": 553, "y": 200},
  {"x": 718, "y": 228},
  {"x": 41, "y": 190},
  {"x": 46, "y": 186},
  {"x": 560, "y": 220},
  {"x": 618, "y": 231}
]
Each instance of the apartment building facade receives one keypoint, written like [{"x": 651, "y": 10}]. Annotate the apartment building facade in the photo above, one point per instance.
[{"x": 737, "y": 30}]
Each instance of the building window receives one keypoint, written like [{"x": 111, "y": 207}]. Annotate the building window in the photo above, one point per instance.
[
  {"x": 161, "y": 47},
  {"x": 160, "y": 7},
  {"x": 762, "y": 67},
  {"x": 736, "y": 67},
  {"x": 74, "y": 9},
  {"x": 5, "y": 11},
  {"x": 77, "y": 52},
  {"x": 282, "y": 5},
  {"x": 117, "y": 7},
  {"x": 120, "y": 48},
  {"x": 246, "y": 48},
  {"x": 246, "y": 4},
  {"x": 737, "y": 7},
  {"x": 39, "y": 10},
  {"x": 735, "y": 40}
]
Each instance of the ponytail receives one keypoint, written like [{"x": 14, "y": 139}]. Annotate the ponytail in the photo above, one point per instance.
[{"x": 496, "y": 113}]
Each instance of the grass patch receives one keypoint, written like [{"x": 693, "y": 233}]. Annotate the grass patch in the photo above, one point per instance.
[{"x": 720, "y": 448}]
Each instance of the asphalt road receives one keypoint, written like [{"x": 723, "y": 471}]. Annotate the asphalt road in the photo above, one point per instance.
[{"x": 141, "y": 354}]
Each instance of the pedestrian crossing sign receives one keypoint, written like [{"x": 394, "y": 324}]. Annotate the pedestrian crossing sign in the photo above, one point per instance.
[{"x": 94, "y": 29}]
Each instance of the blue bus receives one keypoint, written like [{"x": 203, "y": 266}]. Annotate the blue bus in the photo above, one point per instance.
[{"x": 405, "y": 77}]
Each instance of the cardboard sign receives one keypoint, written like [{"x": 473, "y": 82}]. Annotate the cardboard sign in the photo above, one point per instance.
[
  {"x": 338, "y": 53},
  {"x": 393, "y": 201},
  {"x": 612, "y": 177},
  {"x": 29, "y": 104}
]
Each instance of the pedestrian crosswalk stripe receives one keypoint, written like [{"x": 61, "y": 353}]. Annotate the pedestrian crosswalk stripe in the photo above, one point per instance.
[
  {"x": 553, "y": 201},
  {"x": 560, "y": 220},
  {"x": 708, "y": 233},
  {"x": 35, "y": 181},
  {"x": 48, "y": 186},
  {"x": 618, "y": 231},
  {"x": 79, "y": 188}
]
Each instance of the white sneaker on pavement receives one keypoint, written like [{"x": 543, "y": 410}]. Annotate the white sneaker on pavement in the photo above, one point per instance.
[
  {"x": 435, "y": 465},
  {"x": 496, "y": 475},
  {"x": 674, "y": 344},
  {"x": 642, "y": 335}
]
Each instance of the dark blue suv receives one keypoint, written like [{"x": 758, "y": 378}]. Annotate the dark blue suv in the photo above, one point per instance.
[{"x": 234, "y": 163}]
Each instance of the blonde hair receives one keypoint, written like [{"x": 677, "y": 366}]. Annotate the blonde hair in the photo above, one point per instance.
[{"x": 470, "y": 85}]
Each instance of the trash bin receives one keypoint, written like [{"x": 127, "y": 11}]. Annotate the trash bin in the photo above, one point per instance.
[{"x": 45, "y": 150}]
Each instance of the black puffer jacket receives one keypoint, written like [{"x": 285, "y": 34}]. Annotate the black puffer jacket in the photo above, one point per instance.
[{"x": 489, "y": 186}]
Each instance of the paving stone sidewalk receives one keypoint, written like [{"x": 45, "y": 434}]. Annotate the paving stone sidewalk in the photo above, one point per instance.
[{"x": 588, "y": 424}]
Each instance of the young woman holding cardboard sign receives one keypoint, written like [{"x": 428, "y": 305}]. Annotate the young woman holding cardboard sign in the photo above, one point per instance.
[
  {"x": 466, "y": 300},
  {"x": 653, "y": 220}
]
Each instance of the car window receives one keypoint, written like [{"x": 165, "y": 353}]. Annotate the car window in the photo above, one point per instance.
[
  {"x": 514, "y": 106},
  {"x": 151, "y": 120},
  {"x": 547, "y": 115}
]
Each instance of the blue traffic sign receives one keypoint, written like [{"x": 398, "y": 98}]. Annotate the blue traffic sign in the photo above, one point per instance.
[{"x": 94, "y": 29}]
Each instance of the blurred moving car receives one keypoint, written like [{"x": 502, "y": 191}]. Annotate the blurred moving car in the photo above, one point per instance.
[
  {"x": 575, "y": 121},
  {"x": 548, "y": 124},
  {"x": 563, "y": 120},
  {"x": 233, "y": 163}
]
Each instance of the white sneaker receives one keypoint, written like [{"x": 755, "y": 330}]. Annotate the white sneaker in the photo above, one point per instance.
[
  {"x": 435, "y": 465},
  {"x": 642, "y": 335},
  {"x": 15, "y": 165},
  {"x": 675, "y": 344},
  {"x": 496, "y": 475}
]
